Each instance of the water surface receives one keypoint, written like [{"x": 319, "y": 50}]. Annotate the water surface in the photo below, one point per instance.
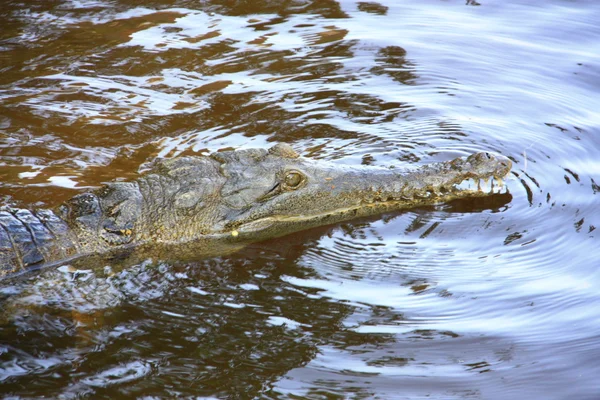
[{"x": 490, "y": 299}]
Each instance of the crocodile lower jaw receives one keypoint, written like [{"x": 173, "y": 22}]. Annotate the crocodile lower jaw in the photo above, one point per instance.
[{"x": 468, "y": 188}]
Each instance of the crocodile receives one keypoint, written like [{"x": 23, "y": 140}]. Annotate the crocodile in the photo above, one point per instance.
[{"x": 239, "y": 196}]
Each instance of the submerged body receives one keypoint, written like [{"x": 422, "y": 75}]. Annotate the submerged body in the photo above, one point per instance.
[{"x": 244, "y": 195}]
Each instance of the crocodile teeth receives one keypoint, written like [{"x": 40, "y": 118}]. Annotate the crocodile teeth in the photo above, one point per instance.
[
  {"x": 468, "y": 184},
  {"x": 480, "y": 185},
  {"x": 499, "y": 183},
  {"x": 485, "y": 185}
]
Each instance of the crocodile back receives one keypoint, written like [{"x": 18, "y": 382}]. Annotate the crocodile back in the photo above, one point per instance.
[{"x": 31, "y": 238}]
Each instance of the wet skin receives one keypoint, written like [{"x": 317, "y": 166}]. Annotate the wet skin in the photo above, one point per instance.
[{"x": 235, "y": 197}]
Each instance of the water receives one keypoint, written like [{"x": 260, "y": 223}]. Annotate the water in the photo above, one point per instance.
[{"x": 489, "y": 300}]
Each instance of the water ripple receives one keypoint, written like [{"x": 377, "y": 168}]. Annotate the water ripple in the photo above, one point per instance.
[{"x": 491, "y": 298}]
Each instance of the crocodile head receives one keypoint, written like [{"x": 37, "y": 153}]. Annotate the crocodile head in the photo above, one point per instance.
[{"x": 270, "y": 193}]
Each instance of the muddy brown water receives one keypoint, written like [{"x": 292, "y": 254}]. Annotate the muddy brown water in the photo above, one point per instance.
[{"x": 491, "y": 299}]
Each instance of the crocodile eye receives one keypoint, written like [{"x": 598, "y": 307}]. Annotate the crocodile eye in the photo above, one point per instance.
[{"x": 293, "y": 180}]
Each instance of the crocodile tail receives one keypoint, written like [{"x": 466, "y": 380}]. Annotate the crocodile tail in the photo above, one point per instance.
[{"x": 29, "y": 239}]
